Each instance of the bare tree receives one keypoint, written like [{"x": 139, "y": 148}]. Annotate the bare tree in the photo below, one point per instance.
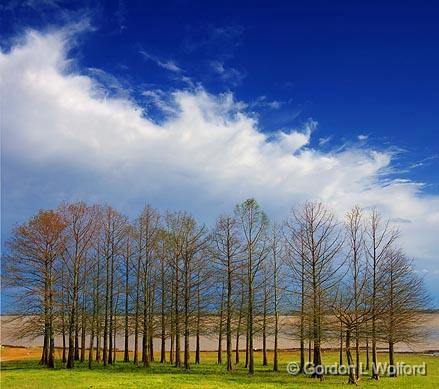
[
  {"x": 175, "y": 237},
  {"x": 381, "y": 236},
  {"x": 80, "y": 231},
  {"x": 127, "y": 260},
  {"x": 227, "y": 249},
  {"x": 404, "y": 296},
  {"x": 95, "y": 317},
  {"x": 358, "y": 276},
  {"x": 242, "y": 296},
  {"x": 84, "y": 272},
  {"x": 194, "y": 238},
  {"x": 35, "y": 250},
  {"x": 294, "y": 258},
  {"x": 352, "y": 308},
  {"x": 220, "y": 327},
  {"x": 276, "y": 253},
  {"x": 163, "y": 254},
  {"x": 265, "y": 300},
  {"x": 317, "y": 229},
  {"x": 253, "y": 223},
  {"x": 149, "y": 222}
]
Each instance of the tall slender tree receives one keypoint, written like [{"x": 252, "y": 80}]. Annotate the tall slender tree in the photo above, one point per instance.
[
  {"x": 318, "y": 230},
  {"x": 226, "y": 256},
  {"x": 380, "y": 239},
  {"x": 34, "y": 256},
  {"x": 80, "y": 231},
  {"x": 404, "y": 296},
  {"x": 276, "y": 254},
  {"x": 254, "y": 225}
]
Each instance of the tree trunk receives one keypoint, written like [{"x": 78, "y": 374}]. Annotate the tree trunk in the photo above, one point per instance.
[
  {"x": 197, "y": 335},
  {"x": 392, "y": 368},
  {"x": 107, "y": 303},
  {"x": 197, "y": 347},
  {"x": 163, "y": 323},
  {"x": 375, "y": 375},
  {"x": 163, "y": 348},
  {"x": 64, "y": 359},
  {"x": 90, "y": 351},
  {"x": 83, "y": 330},
  {"x": 114, "y": 337},
  {"x": 151, "y": 323},
  {"x": 51, "y": 356},
  {"x": 98, "y": 342},
  {"x": 151, "y": 342},
  {"x": 98, "y": 306},
  {"x": 44, "y": 354},
  {"x": 229, "y": 314},
  {"x": 357, "y": 352},
  {"x": 187, "y": 271},
  {"x": 251, "y": 361},
  {"x": 177, "y": 318},
  {"x": 77, "y": 335},
  {"x": 264, "y": 325},
  {"x": 246, "y": 346},
  {"x": 137, "y": 314},
  {"x": 341, "y": 345},
  {"x": 220, "y": 331},
  {"x": 350, "y": 360},
  {"x": 316, "y": 316},
  {"x": 302, "y": 312},
  {"x": 302, "y": 341},
  {"x": 63, "y": 325},
  {"x": 172, "y": 324},
  {"x": 145, "y": 340},
  {"x": 276, "y": 315},
  {"x": 171, "y": 346},
  {"x": 111, "y": 319},
  {"x": 94, "y": 316},
  {"x": 276, "y": 334},
  {"x": 126, "y": 354},
  {"x": 71, "y": 356},
  {"x": 367, "y": 354},
  {"x": 238, "y": 327}
]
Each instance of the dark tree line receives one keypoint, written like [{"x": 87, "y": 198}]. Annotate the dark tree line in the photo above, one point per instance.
[{"x": 87, "y": 273}]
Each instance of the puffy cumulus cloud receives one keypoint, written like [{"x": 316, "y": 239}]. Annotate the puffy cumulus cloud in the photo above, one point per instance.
[
  {"x": 64, "y": 139},
  {"x": 294, "y": 141}
]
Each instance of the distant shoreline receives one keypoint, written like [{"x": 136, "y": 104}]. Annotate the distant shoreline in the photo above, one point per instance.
[{"x": 287, "y": 342}]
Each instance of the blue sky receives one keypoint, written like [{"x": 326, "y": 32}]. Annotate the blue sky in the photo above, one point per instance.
[{"x": 197, "y": 105}]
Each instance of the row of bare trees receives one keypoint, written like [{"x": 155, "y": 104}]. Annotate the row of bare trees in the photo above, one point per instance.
[{"x": 86, "y": 273}]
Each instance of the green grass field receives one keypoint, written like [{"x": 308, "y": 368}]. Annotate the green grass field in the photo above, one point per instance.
[{"x": 26, "y": 373}]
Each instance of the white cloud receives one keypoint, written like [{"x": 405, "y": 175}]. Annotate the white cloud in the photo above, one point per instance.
[
  {"x": 165, "y": 64},
  {"x": 228, "y": 74},
  {"x": 295, "y": 140},
  {"x": 64, "y": 140},
  {"x": 324, "y": 141},
  {"x": 263, "y": 102}
]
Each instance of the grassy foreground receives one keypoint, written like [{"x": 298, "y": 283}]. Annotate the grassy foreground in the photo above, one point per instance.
[{"x": 20, "y": 369}]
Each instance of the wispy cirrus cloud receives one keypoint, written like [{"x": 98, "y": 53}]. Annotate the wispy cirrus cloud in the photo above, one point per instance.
[
  {"x": 264, "y": 102},
  {"x": 167, "y": 64},
  {"x": 325, "y": 140},
  {"x": 221, "y": 40},
  {"x": 227, "y": 73}
]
